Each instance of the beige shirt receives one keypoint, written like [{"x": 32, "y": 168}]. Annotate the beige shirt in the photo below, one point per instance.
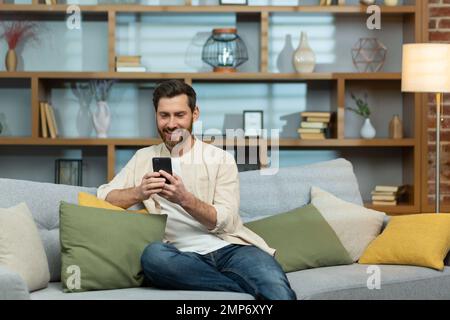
[{"x": 210, "y": 174}]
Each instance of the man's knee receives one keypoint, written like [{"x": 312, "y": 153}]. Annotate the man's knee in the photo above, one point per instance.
[{"x": 154, "y": 256}]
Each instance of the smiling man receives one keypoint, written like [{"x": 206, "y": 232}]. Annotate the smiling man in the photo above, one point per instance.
[{"x": 206, "y": 246}]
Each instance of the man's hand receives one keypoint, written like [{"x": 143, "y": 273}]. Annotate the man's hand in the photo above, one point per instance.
[
  {"x": 175, "y": 192},
  {"x": 151, "y": 183}
]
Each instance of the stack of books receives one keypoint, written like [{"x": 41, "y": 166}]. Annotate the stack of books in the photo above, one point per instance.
[
  {"x": 387, "y": 195},
  {"x": 129, "y": 64},
  {"x": 48, "y": 121},
  {"x": 314, "y": 125}
]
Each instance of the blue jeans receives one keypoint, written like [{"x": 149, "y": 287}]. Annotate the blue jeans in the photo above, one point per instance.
[{"x": 235, "y": 268}]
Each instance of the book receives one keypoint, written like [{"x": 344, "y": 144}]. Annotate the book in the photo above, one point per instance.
[
  {"x": 389, "y": 188},
  {"x": 128, "y": 64},
  {"x": 312, "y": 136},
  {"x": 50, "y": 122},
  {"x": 316, "y": 125},
  {"x": 131, "y": 69},
  {"x": 309, "y": 130},
  {"x": 53, "y": 119},
  {"x": 382, "y": 193},
  {"x": 43, "y": 120},
  {"x": 318, "y": 119},
  {"x": 385, "y": 203},
  {"x": 128, "y": 59},
  {"x": 384, "y": 198},
  {"x": 316, "y": 114}
]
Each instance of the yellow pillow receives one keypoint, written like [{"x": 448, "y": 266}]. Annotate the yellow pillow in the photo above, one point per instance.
[
  {"x": 89, "y": 200},
  {"x": 419, "y": 240}
]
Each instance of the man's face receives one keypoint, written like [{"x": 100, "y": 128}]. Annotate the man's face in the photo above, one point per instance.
[{"x": 174, "y": 115}]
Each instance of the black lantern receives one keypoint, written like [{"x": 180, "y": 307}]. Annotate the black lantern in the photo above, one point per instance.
[{"x": 224, "y": 50}]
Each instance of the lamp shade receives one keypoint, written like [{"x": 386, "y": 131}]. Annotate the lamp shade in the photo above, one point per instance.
[{"x": 426, "y": 67}]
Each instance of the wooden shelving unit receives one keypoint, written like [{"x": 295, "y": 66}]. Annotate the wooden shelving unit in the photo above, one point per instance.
[{"x": 414, "y": 27}]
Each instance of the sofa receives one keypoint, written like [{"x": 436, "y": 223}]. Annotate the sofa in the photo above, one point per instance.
[{"x": 261, "y": 196}]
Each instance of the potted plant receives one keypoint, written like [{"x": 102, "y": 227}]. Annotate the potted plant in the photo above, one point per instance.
[
  {"x": 363, "y": 110},
  {"x": 102, "y": 117},
  {"x": 14, "y": 33}
]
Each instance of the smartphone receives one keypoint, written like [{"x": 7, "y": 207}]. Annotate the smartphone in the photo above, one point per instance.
[{"x": 162, "y": 163}]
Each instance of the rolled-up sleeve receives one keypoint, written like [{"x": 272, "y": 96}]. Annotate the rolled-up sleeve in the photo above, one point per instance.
[
  {"x": 226, "y": 197},
  {"x": 124, "y": 179}
]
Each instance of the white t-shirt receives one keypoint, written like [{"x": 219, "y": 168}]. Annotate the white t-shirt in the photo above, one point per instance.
[{"x": 182, "y": 230}]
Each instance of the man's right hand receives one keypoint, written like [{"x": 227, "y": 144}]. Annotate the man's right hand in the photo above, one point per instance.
[{"x": 151, "y": 184}]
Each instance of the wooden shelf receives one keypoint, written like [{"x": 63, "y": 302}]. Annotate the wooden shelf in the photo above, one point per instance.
[
  {"x": 136, "y": 8},
  {"x": 285, "y": 143},
  {"x": 393, "y": 210},
  {"x": 243, "y": 76}
]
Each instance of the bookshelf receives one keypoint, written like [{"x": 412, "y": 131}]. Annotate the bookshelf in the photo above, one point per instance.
[{"x": 407, "y": 21}]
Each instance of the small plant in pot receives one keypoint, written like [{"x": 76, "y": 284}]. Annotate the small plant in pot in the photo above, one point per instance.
[{"x": 363, "y": 110}]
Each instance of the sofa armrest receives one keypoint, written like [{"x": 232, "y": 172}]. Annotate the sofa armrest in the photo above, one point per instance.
[{"x": 12, "y": 286}]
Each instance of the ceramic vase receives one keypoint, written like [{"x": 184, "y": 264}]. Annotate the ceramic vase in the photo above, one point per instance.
[
  {"x": 11, "y": 60},
  {"x": 396, "y": 128},
  {"x": 304, "y": 57},
  {"x": 102, "y": 119},
  {"x": 367, "y": 130}
]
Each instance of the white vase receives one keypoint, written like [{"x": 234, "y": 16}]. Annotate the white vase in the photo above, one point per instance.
[
  {"x": 367, "y": 130},
  {"x": 102, "y": 119},
  {"x": 304, "y": 57}
]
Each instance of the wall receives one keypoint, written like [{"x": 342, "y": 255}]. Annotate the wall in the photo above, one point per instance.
[{"x": 439, "y": 31}]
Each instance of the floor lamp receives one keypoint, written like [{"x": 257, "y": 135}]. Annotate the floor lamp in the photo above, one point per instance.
[{"x": 426, "y": 69}]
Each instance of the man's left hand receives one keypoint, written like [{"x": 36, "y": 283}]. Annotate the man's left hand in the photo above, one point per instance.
[{"x": 175, "y": 192}]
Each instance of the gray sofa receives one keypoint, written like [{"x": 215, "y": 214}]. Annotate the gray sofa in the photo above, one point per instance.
[{"x": 261, "y": 196}]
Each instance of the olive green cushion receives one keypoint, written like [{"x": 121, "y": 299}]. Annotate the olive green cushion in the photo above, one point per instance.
[
  {"x": 101, "y": 248},
  {"x": 302, "y": 239}
]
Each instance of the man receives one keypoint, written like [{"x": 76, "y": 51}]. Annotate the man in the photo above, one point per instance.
[{"x": 206, "y": 246}]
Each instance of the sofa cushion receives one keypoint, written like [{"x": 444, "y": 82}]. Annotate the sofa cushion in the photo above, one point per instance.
[
  {"x": 21, "y": 248},
  {"x": 43, "y": 201},
  {"x": 90, "y": 200},
  {"x": 102, "y": 248},
  {"x": 302, "y": 238},
  {"x": 289, "y": 188},
  {"x": 354, "y": 225},
  {"x": 420, "y": 240},
  {"x": 350, "y": 283}
]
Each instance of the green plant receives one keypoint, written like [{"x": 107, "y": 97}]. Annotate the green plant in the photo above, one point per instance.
[{"x": 363, "y": 108}]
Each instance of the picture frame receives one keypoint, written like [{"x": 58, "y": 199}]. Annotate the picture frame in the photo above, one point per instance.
[
  {"x": 253, "y": 123},
  {"x": 233, "y": 2},
  {"x": 69, "y": 172}
]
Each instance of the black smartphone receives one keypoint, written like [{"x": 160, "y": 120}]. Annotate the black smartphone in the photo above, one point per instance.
[{"x": 162, "y": 163}]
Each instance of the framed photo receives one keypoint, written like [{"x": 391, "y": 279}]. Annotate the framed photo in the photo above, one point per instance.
[
  {"x": 253, "y": 123},
  {"x": 233, "y": 2},
  {"x": 69, "y": 171}
]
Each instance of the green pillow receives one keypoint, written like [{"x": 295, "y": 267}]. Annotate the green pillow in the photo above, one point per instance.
[
  {"x": 101, "y": 248},
  {"x": 303, "y": 239}
]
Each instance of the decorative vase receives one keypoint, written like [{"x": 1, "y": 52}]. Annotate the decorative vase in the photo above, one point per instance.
[
  {"x": 396, "y": 128},
  {"x": 11, "y": 60},
  {"x": 102, "y": 119},
  {"x": 391, "y": 2},
  {"x": 304, "y": 57},
  {"x": 284, "y": 59},
  {"x": 367, "y": 130}
]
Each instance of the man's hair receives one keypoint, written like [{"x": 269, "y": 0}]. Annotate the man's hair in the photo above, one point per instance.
[{"x": 173, "y": 88}]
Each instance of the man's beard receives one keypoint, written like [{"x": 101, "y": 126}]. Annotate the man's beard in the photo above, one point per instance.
[{"x": 181, "y": 135}]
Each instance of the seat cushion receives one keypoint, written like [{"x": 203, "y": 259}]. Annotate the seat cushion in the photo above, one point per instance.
[
  {"x": 350, "y": 282},
  {"x": 54, "y": 292}
]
